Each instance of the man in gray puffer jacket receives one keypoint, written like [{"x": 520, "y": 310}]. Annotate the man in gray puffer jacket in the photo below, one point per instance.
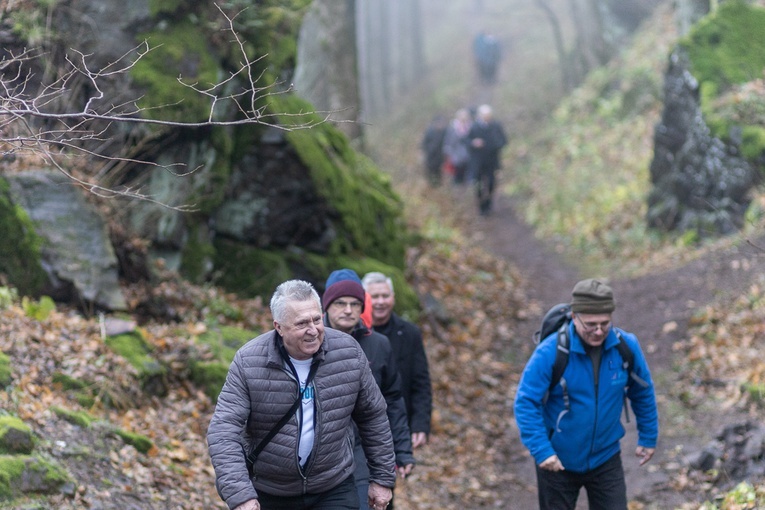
[{"x": 308, "y": 464}]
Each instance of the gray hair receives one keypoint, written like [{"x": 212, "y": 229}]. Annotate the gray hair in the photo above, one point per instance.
[
  {"x": 485, "y": 111},
  {"x": 375, "y": 277},
  {"x": 288, "y": 292}
]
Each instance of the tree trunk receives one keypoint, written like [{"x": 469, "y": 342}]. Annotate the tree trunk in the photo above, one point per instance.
[
  {"x": 327, "y": 72},
  {"x": 566, "y": 78}
]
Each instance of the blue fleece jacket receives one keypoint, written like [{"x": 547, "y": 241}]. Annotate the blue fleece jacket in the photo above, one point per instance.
[{"x": 588, "y": 434}]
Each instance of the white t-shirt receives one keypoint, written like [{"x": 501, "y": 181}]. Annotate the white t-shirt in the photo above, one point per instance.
[{"x": 305, "y": 444}]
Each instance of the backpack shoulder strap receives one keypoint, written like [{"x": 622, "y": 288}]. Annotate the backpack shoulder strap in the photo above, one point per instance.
[
  {"x": 628, "y": 359},
  {"x": 561, "y": 356}
]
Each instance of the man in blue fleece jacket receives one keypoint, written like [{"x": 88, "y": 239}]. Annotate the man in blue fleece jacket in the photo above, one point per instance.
[{"x": 573, "y": 430}]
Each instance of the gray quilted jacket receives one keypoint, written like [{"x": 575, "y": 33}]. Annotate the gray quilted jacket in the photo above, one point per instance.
[{"x": 259, "y": 390}]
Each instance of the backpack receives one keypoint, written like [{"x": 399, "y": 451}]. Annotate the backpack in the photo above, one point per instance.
[{"x": 557, "y": 319}]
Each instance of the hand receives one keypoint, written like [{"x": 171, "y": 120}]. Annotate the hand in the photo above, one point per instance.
[
  {"x": 477, "y": 142},
  {"x": 644, "y": 454},
  {"x": 379, "y": 496},
  {"x": 252, "y": 504},
  {"x": 552, "y": 464},
  {"x": 403, "y": 471},
  {"x": 419, "y": 439}
]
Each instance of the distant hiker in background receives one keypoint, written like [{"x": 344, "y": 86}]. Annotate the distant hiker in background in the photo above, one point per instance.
[
  {"x": 487, "y": 138},
  {"x": 572, "y": 426},
  {"x": 456, "y": 149},
  {"x": 432, "y": 148},
  {"x": 487, "y": 53}
]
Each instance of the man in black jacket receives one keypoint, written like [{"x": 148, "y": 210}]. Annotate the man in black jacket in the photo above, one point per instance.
[
  {"x": 486, "y": 138},
  {"x": 343, "y": 302},
  {"x": 406, "y": 340}
]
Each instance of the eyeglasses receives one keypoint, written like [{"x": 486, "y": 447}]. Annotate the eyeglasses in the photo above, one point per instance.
[
  {"x": 341, "y": 305},
  {"x": 590, "y": 327}
]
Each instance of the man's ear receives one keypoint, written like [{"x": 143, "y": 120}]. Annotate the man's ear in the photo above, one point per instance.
[{"x": 278, "y": 327}]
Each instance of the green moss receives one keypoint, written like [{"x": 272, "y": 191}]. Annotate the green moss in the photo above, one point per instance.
[
  {"x": 250, "y": 271},
  {"x": 83, "y": 392},
  {"x": 21, "y": 246},
  {"x": 38, "y": 310},
  {"x": 134, "y": 348},
  {"x": 728, "y": 47},
  {"x": 210, "y": 376},
  {"x": 755, "y": 391},
  {"x": 181, "y": 50},
  {"x": 753, "y": 142},
  {"x": 35, "y": 474},
  {"x": 157, "y": 7},
  {"x": 79, "y": 418},
  {"x": 140, "y": 442},
  {"x": 197, "y": 256},
  {"x": 271, "y": 28},
  {"x": 15, "y": 436},
  {"x": 371, "y": 220},
  {"x": 224, "y": 341},
  {"x": 67, "y": 382},
  {"x": 6, "y": 372}
]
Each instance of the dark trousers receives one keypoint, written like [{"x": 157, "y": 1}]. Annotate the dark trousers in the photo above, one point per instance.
[
  {"x": 484, "y": 186},
  {"x": 606, "y": 489},
  {"x": 342, "y": 497}
]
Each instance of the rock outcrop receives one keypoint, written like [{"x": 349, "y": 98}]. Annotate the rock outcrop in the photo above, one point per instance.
[{"x": 699, "y": 182}]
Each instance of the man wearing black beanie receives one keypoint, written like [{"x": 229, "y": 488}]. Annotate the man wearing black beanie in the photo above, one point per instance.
[
  {"x": 572, "y": 427},
  {"x": 344, "y": 301}
]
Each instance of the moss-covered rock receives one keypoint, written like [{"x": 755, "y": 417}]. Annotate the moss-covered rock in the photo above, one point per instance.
[
  {"x": 370, "y": 210},
  {"x": 21, "y": 247},
  {"x": 198, "y": 255},
  {"x": 23, "y": 475},
  {"x": 6, "y": 373},
  {"x": 79, "y": 418},
  {"x": 250, "y": 271},
  {"x": 83, "y": 392},
  {"x": 140, "y": 442},
  {"x": 180, "y": 49},
  {"x": 223, "y": 342},
  {"x": 134, "y": 348},
  {"x": 15, "y": 436},
  {"x": 210, "y": 376}
]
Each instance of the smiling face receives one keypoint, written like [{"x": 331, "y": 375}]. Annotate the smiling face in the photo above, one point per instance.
[
  {"x": 303, "y": 330},
  {"x": 383, "y": 300},
  {"x": 592, "y": 328}
]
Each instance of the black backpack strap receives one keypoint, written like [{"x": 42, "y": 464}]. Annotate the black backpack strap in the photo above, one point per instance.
[
  {"x": 251, "y": 457},
  {"x": 561, "y": 356},
  {"x": 628, "y": 363},
  {"x": 559, "y": 365}
]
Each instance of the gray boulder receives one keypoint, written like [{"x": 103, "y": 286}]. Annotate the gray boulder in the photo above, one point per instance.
[{"x": 77, "y": 254}]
